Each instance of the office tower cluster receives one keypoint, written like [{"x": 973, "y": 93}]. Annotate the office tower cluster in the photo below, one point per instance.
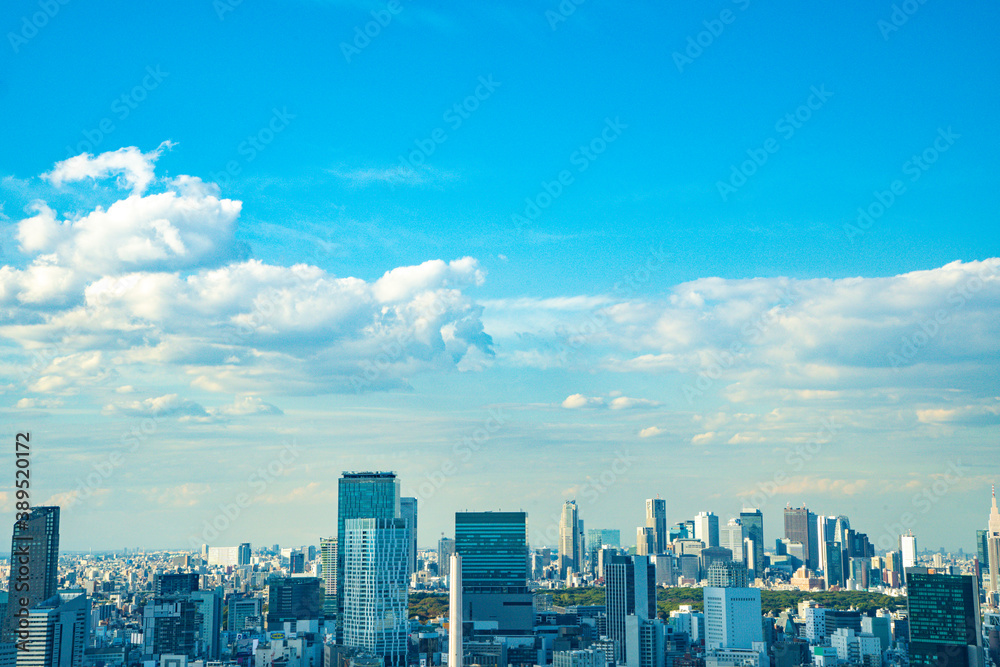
[{"x": 367, "y": 595}]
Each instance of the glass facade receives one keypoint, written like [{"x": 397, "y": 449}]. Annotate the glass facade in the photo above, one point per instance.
[
  {"x": 943, "y": 617},
  {"x": 362, "y": 495},
  {"x": 494, "y": 548},
  {"x": 753, "y": 528},
  {"x": 376, "y": 593},
  {"x": 37, "y": 540}
]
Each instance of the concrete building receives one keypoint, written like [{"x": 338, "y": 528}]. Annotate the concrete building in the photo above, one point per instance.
[{"x": 732, "y": 618}]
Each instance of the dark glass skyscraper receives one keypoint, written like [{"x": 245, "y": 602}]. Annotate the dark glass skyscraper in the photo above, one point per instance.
[
  {"x": 361, "y": 495},
  {"x": 34, "y": 562},
  {"x": 801, "y": 526},
  {"x": 630, "y": 589},
  {"x": 945, "y": 626},
  {"x": 753, "y": 528},
  {"x": 494, "y": 549}
]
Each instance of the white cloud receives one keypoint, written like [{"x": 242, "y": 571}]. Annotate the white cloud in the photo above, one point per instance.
[
  {"x": 576, "y": 401},
  {"x": 395, "y": 175},
  {"x": 134, "y": 168},
  {"x": 43, "y": 403},
  {"x": 650, "y": 432},
  {"x": 628, "y": 403},
  {"x": 703, "y": 438},
  {"x": 153, "y": 283}
]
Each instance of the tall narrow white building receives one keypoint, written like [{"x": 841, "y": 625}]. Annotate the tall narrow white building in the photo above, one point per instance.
[
  {"x": 455, "y": 615},
  {"x": 908, "y": 547}
]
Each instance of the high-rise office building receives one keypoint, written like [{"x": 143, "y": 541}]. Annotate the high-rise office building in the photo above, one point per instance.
[
  {"x": 362, "y": 495},
  {"x": 243, "y": 556},
  {"x": 630, "y": 589},
  {"x": 35, "y": 550},
  {"x": 732, "y": 618},
  {"x": 569, "y": 539},
  {"x": 446, "y": 547},
  {"x": 833, "y": 572},
  {"x": 175, "y": 584},
  {"x": 376, "y": 585},
  {"x": 56, "y": 631},
  {"x": 993, "y": 548},
  {"x": 944, "y": 620},
  {"x": 597, "y": 538},
  {"x": 752, "y": 521},
  {"x": 727, "y": 574},
  {"x": 706, "y": 528},
  {"x": 328, "y": 560},
  {"x": 645, "y": 541},
  {"x": 408, "y": 512},
  {"x": 292, "y": 599},
  {"x": 731, "y": 537},
  {"x": 908, "y": 547},
  {"x": 801, "y": 527},
  {"x": 656, "y": 518},
  {"x": 494, "y": 549},
  {"x": 826, "y": 531},
  {"x": 168, "y": 627},
  {"x": 207, "y": 623},
  {"x": 245, "y": 614}
]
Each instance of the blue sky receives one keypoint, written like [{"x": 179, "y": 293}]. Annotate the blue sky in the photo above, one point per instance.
[{"x": 246, "y": 307}]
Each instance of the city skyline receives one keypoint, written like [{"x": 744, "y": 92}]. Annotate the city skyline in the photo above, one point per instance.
[{"x": 511, "y": 261}]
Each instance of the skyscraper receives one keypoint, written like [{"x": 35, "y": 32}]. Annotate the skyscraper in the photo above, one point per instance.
[
  {"x": 328, "y": 559},
  {"x": 208, "y": 622},
  {"x": 408, "y": 512},
  {"x": 57, "y": 631},
  {"x": 35, "y": 552},
  {"x": 569, "y": 539},
  {"x": 376, "y": 587},
  {"x": 630, "y": 588},
  {"x": 656, "y": 518},
  {"x": 446, "y": 547},
  {"x": 993, "y": 547},
  {"x": 731, "y": 537},
  {"x": 732, "y": 618},
  {"x": 361, "y": 495},
  {"x": 801, "y": 527},
  {"x": 494, "y": 549},
  {"x": 945, "y": 626},
  {"x": 752, "y": 521},
  {"x": 645, "y": 541},
  {"x": 243, "y": 556},
  {"x": 706, "y": 528},
  {"x": 292, "y": 599},
  {"x": 908, "y": 547}
]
